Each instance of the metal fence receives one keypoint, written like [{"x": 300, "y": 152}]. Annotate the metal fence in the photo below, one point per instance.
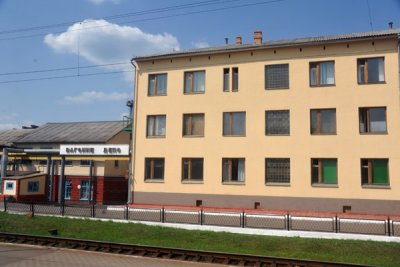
[{"x": 334, "y": 223}]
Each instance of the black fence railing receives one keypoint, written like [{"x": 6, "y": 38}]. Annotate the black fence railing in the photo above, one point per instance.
[{"x": 333, "y": 223}]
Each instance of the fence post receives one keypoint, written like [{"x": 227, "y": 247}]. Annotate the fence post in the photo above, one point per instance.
[
  {"x": 288, "y": 221},
  {"x": 5, "y": 203},
  {"x": 162, "y": 215},
  {"x": 201, "y": 216},
  {"x": 388, "y": 227},
  {"x": 32, "y": 209},
  {"x": 242, "y": 219},
  {"x": 93, "y": 212},
  {"x": 126, "y": 212},
  {"x": 62, "y": 208},
  {"x": 336, "y": 224}
]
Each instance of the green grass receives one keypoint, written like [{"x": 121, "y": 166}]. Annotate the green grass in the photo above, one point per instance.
[{"x": 361, "y": 252}]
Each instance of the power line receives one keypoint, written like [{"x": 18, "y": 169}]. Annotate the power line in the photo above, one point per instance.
[
  {"x": 155, "y": 18},
  {"x": 65, "y": 76},
  {"x": 62, "y": 69},
  {"x": 118, "y": 16}
]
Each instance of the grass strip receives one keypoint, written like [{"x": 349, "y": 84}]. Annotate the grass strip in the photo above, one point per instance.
[{"x": 348, "y": 251}]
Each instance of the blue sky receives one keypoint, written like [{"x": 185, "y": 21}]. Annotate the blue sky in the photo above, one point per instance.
[{"x": 105, "y": 32}]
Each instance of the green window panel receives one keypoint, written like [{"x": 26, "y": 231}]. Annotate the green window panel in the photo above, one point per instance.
[
  {"x": 329, "y": 171},
  {"x": 379, "y": 172}
]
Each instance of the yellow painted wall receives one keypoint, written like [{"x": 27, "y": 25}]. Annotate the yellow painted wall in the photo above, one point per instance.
[
  {"x": 348, "y": 146},
  {"x": 23, "y": 189},
  {"x": 123, "y": 166}
]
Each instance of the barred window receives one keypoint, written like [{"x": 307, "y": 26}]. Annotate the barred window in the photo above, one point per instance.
[
  {"x": 277, "y": 170},
  {"x": 277, "y": 122},
  {"x": 277, "y": 76}
]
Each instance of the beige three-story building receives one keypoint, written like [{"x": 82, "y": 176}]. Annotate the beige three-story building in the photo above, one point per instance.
[{"x": 301, "y": 124}]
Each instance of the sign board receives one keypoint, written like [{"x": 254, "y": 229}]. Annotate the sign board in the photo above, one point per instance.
[{"x": 94, "y": 150}]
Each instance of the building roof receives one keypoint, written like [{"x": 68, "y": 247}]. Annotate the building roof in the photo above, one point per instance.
[
  {"x": 8, "y": 137},
  {"x": 74, "y": 132},
  {"x": 278, "y": 43}
]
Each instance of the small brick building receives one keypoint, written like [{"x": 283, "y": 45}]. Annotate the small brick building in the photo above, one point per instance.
[{"x": 85, "y": 178}]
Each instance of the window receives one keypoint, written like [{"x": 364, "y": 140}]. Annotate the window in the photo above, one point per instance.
[
  {"x": 192, "y": 169},
  {"x": 193, "y": 124},
  {"x": 156, "y": 125},
  {"x": 374, "y": 172},
  {"x": 67, "y": 189},
  {"x": 372, "y": 120},
  {"x": 68, "y": 163},
  {"x": 234, "y": 123},
  {"x": 157, "y": 84},
  {"x": 116, "y": 163},
  {"x": 323, "y": 121},
  {"x": 84, "y": 194},
  {"x": 33, "y": 187},
  {"x": 277, "y": 170},
  {"x": 324, "y": 171},
  {"x": 85, "y": 163},
  {"x": 9, "y": 186},
  {"x": 370, "y": 70},
  {"x": 277, "y": 76},
  {"x": 322, "y": 73},
  {"x": 277, "y": 122},
  {"x": 194, "y": 82},
  {"x": 233, "y": 170},
  {"x": 235, "y": 80},
  {"x": 154, "y": 169}
]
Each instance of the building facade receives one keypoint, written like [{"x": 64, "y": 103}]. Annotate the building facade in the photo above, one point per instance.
[
  {"x": 302, "y": 124},
  {"x": 85, "y": 178}
]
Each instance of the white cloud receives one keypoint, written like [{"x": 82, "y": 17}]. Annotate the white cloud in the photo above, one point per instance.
[
  {"x": 101, "y": 42},
  {"x": 200, "y": 44},
  {"x": 95, "y": 96},
  {"x": 99, "y": 2}
]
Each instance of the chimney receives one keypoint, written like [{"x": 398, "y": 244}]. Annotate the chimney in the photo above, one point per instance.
[
  {"x": 258, "y": 37},
  {"x": 390, "y": 25},
  {"x": 238, "y": 40},
  {"x": 226, "y": 41}
]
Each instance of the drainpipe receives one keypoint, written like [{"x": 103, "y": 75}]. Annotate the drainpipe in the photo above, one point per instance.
[
  {"x": 61, "y": 182},
  {"x": 132, "y": 154},
  {"x": 90, "y": 182}
]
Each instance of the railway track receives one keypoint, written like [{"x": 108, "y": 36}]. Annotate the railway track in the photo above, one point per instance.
[{"x": 165, "y": 253}]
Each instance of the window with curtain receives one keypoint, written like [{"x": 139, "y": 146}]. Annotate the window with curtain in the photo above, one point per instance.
[
  {"x": 84, "y": 194},
  {"x": 323, "y": 121},
  {"x": 277, "y": 122},
  {"x": 234, "y": 123},
  {"x": 371, "y": 70},
  {"x": 373, "y": 120},
  {"x": 193, "y": 124},
  {"x": 324, "y": 171},
  {"x": 157, "y": 84},
  {"x": 194, "y": 82},
  {"x": 322, "y": 73},
  {"x": 192, "y": 169},
  {"x": 374, "y": 172},
  {"x": 233, "y": 170},
  {"x": 156, "y": 125}
]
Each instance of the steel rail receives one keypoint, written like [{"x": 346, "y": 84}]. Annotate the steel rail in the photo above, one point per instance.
[{"x": 165, "y": 253}]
